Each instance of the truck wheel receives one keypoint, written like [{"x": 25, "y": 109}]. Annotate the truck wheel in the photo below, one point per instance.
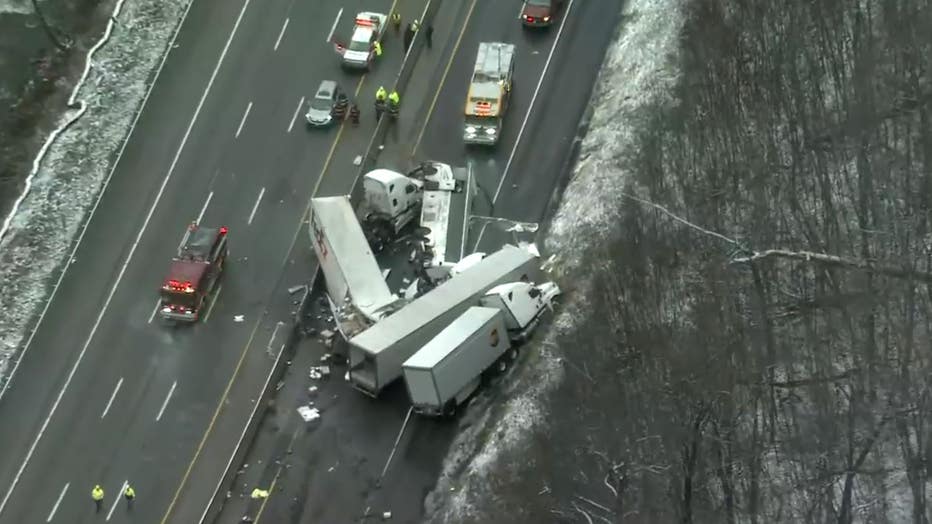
[
  {"x": 502, "y": 366},
  {"x": 449, "y": 411}
]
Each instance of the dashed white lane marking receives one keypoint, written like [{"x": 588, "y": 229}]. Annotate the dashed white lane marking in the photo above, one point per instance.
[
  {"x": 155, "y": 310},
  {"x": 112, "y": 396},
  {"x": 281, "y": 34},
  {"x": 58, "y": 502},
  {"x": 334, "y": 26},
  {"x": 165, "y": 404},
  {"x": 527, "y": 115},
  {"x": 255, "y": 207},
  {"x": 129, "y": 257},
  {"x": 243, "y": 120},
  {"x": 117, "y": 501},
  {"x": 212, "y": 302},
  {"x": 296, "y": 111},
  {"x": 204, "y": 207}
]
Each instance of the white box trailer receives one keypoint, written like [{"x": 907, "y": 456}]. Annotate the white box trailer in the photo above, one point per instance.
[
  {"x": 377, "y": 354},
  {"x": 350, "y": 270},
  {"x": 449, "y": 368}
]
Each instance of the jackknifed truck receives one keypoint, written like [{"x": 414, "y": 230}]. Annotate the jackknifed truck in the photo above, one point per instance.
[
  {"x": 377, "y": 354},
  {"x": 448, "y": 369}
]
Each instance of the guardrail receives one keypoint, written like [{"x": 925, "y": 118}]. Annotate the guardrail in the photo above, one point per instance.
[{"x": 215, "y": 504}]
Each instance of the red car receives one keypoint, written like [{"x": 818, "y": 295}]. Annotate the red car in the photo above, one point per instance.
[{"x": 540, "y": 13}]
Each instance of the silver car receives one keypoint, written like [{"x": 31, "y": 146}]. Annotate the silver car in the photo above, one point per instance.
[{"x": 320, "y": 109}]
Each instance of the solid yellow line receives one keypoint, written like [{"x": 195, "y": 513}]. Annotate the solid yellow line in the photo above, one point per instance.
[
  {"x": 213, "y": 421},
  {"x": 443, "y": 78},
  {"x": 242, "y": 357},
  {"x": 275, "y": 480}
]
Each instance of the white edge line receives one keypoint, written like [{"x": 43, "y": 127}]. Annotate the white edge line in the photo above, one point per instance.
[
  {"x": 530, "y": 110},
  {"x": 100, "y": 315},
  {"x": 165, "y": 403},
  {"x": 204, "y": 208},
  {"x": 58, "y": 502},
  {"x": 112, "y": 396},
  {"x": 296, "y": 111},
  {"x": 280, "y": 35},
  {"x": 334, "y": 26},
  {"x": 521, "y": 11},
  {"x": 243, "y": 121},
  {"x": 158, "y": 302},
  {"x": 255, "y": 207},
  {"x": 103, "y": 189},
  {"x": 117, "y": 501}
]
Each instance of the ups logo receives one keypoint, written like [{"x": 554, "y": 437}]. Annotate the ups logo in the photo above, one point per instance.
[{"x": 494, "y": 338}]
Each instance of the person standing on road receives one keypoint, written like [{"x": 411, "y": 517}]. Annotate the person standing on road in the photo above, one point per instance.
[
  {"x": 380, "y": 96},
  {"x": 377, "y": 46},
  {"x": 130, "y": 495},
  {"x": 429, "y": 35},
  {"x": 98, "y": 495},
  {"x": 396, "y": 21},
  {"x": 354, "y": 114},
  {"x": 409, "y": 36}
]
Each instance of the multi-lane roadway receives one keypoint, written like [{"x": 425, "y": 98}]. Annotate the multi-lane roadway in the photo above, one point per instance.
[
  {"x": 105, "y": 394},
  {"x": 332, "y": 471}
]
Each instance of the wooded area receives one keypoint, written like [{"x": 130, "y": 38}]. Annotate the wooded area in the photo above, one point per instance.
[{"x": 764, "y": 349}]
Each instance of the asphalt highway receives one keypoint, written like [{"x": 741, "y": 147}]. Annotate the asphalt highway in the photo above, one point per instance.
[
  {"x": 332, "y": 470},
  {"x": 104, "y": 393}
]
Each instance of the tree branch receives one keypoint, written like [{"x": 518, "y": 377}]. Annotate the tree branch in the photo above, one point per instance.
[{"x": 833, "y": 260}]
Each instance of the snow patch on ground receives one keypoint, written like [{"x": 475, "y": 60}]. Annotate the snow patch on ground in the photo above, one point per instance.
[
  {"x": 637, "y": 73},
  {"x": 77, "y": 164},
  {"x": 20, "y": 7}
]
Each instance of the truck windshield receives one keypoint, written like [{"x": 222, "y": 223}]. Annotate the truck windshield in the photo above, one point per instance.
[
  {"x": 481, "y": 121},
  {"x": 174, "y": 298},
  {"x": 358, "y": 45}
]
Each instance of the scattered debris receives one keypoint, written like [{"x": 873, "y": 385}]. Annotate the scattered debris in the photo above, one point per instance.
[
  {"x": 294, "y": 289},
  {"x": 319, "y": 372},
  {"x": 530, "y": 248},
  {"x": 346, "y": 376},
  {"x": 327, "y": 334},
  {"x": 386, "y": 515},
  {"x": 405, "y": 281},
  {"x": 259, "y": 493},
  {"x": 325, "y": 357},
  {"x": 312, "y": 390},
  {"x": 358, "y": 160},
  {"x": 308, "y": 413},
  {"x": 239, "y": 318}
]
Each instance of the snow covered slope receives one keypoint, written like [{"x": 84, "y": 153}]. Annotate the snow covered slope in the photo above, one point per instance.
[
  {"x": 639, "y": 71},
  {"x": 76, "y": 166}
]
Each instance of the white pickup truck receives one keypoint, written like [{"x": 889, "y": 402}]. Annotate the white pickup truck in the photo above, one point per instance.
[{"x": 359, "y": 52}]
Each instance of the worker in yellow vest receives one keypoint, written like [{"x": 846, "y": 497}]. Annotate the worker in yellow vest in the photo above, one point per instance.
[{"x": 98, "y": 495}]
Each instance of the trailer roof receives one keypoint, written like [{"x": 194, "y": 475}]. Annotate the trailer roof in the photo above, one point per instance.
[
  {"x": 198, "y": 242},
  {"x": 351, "y": 252},
  {"x": 441, "y": 299},
  {"x": 452, "y": 336},
  {"x": 187, "y": 271}
]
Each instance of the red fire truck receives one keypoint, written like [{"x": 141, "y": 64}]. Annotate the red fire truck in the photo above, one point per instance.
[{"x": 194, "y": 273}]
